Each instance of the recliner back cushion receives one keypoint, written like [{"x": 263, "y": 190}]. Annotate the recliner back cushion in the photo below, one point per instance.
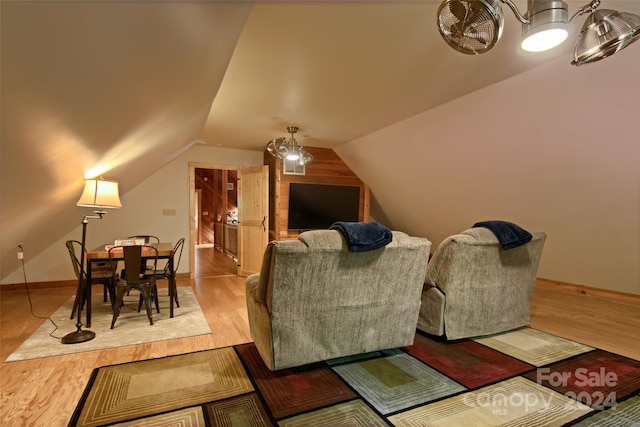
[
  {"x": 321, "y": 260},
  {"x": 480, "y": 248}
]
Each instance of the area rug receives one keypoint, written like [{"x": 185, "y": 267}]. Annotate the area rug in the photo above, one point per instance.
[
  {"x": 132, "y": 327},
  {"x": 430, "y": 383},
  {"x": 533, "y": 346}
]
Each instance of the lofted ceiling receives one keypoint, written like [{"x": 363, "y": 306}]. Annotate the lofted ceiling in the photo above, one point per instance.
[
  {"x": 341, "y": 70},
  {"x": 121, "y": 88}
]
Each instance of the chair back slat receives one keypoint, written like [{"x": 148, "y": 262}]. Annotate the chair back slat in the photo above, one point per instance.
[
  {"x": 132, "y": 258},
  {"x": 135, "y": 278},
  {"x": 133, "y": 265}
]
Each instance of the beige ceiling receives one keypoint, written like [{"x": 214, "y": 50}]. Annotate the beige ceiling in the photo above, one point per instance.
[
  {"x": 129, "y": 85},
  {"x": 340, "y": 70}
]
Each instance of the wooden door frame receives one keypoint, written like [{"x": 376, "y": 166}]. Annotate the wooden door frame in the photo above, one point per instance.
[{"x": 192, "y": 194}]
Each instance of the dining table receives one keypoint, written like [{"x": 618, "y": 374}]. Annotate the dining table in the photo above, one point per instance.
[{"x": 101, "y": 253}]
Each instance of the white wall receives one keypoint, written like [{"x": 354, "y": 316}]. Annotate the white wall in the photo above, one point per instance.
[
  {"x": 168, "y": 188},
  {"x": 555, "y": 149}
]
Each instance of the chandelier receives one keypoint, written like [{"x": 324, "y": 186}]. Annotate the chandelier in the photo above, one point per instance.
[{"x": 289, "y": 149}]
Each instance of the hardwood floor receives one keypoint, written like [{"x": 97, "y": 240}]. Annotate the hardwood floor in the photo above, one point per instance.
[
  {"x": 44, "y": 392},
  {"x": 210, "y": 262},
  {"x": 604, "y": 323}
]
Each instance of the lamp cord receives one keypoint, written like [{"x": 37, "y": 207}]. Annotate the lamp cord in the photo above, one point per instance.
[{"x": 26, "y": 286}]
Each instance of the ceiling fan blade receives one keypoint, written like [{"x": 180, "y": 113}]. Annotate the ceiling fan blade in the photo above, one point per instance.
[
  {"x": 474, "y": 13},
  {"x": 479, "y": 37},
  {"x": 457, "y": 30},
  {"x": 459, "y": 10}
]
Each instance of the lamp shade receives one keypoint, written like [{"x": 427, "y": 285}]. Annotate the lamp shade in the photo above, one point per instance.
[{"x": 100, "y": 193}]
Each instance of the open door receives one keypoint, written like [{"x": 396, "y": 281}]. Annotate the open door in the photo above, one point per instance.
[{"x": 253, "y": 218}]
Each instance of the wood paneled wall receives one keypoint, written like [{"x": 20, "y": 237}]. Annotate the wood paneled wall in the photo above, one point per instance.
[
  {"x": 326, "y": 168},
  {"x": 216, "y": 199},
  {"x": 205, "y": 181}
]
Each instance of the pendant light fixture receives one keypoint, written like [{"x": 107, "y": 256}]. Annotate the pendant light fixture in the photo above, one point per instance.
[
  {"x": 289, "y": 149},
  {"x": 475, "y": 26}
]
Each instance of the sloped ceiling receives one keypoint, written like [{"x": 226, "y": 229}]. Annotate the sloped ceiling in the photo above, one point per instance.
[
  {"x": 100, "y": 88},
  {"x": 340, "y": 70},
  {"x": 120, "y": 88}
]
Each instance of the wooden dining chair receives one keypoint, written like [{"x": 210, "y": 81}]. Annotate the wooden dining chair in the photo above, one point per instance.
[
  {"x": 135, "y": 278},
  {"x": 101, "y": 273}
]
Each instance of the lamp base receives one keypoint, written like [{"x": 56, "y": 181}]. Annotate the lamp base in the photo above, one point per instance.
[{"x": 78, "y": 337}]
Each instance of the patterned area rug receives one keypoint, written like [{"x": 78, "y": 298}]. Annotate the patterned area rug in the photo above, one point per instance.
[
  {"x": 467, "y": 382},
  {"x": 131, "y": 327},
  {"x": 533, "y": 346}
]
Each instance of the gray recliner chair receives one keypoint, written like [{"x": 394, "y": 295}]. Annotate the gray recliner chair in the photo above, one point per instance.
[
  {"x": 473, "y": 287},
  {"x": 314, "y": 299}
]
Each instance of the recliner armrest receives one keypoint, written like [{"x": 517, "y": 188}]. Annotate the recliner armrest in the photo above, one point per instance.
[{"x": 251, "y": 284}]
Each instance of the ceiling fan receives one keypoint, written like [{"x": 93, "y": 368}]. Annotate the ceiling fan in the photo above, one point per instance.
[{"x": 475, "y": 26}]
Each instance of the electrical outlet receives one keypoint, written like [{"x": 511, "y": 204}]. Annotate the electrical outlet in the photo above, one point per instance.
[{"x": 20, "y": 255}]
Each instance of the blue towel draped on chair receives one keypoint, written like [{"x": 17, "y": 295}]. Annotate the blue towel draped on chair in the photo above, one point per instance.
[
  {"x": 509, "y": 234},
  {"x": 363, "y": 236}
]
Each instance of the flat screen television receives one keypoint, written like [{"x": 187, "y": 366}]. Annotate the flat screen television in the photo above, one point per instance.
[{"x": 317, "y": 206}]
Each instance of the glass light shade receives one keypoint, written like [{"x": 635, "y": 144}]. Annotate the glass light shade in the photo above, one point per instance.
[
  {"x": 294, "y": 153},
  {"x": 305, "y": 157},
  {"x": 545, "y": 39},
  {"x": 100, "y": 193},
  {"x": 278, "y": 147}
]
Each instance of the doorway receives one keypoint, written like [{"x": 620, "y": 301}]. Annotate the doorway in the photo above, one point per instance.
[{"x": 213, "y": 210}]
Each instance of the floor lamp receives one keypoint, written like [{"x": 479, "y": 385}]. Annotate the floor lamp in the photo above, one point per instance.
[{"x": 98, "y": 193}]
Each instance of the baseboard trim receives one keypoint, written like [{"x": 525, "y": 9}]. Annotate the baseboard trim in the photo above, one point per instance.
[
  {"x": 40, "y": 285},
  {"x": 622, "y": 297},
  {"x": 589, "y": 291},
  {"x": 60, "y": 284}
]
